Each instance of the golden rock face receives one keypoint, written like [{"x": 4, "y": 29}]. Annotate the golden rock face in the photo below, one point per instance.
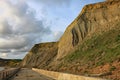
[{"x": 94, "y": 19}]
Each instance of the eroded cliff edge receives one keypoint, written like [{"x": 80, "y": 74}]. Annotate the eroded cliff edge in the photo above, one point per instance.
[{"x": 90, "y": 44}]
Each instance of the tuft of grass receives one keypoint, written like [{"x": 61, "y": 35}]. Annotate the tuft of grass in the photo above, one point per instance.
[{"x": 112, "y": 68}]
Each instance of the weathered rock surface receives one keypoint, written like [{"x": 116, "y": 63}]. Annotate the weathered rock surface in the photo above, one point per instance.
[
  {"x": 41, "y": 55},
  {"x": 94, "y": 18}
]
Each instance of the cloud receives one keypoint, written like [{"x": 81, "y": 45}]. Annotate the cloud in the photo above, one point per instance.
[
  {"x": 53, "y": 2},
  {"x": 13, "y": 43},
  {"x": 4, "y": 51},
  {"x": 57, "y": 35},
  {"x": 19, "y": 27},
  {"x": 4, "y": 55},
  {"x": 5, "y": 28}
]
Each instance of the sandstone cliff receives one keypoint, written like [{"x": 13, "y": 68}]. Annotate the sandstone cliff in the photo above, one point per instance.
[
  {"x": 41, "y": 55},
  {"x": 94, "y": 18},
  {"x": 91, "y": 42}
]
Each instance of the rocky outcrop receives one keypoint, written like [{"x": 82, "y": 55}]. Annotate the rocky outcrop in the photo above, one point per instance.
[
  {"x": 91, "y": 40},
  {"x": 94, "y": 19},
  {"x": 41, "y": 55}
]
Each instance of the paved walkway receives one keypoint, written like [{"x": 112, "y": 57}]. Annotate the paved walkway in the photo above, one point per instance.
[{"x": 27, "y": 74}]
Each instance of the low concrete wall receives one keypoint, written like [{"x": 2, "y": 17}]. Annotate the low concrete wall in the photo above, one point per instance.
[
  {"x": 63, "y": 76},
  {"x": 5, "y": 74}
]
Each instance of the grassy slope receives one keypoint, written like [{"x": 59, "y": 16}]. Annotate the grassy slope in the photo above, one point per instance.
[{"x": 100, "y": 49}]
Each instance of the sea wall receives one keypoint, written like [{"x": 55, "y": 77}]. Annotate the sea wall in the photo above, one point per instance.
[{"x": 63, "y": 76}]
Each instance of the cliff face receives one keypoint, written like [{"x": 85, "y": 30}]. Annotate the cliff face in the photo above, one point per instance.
[
  {"x": 41, "y": 55},
  {"x": 94, "y": 19},
  {"x": 91, "y": 42}
]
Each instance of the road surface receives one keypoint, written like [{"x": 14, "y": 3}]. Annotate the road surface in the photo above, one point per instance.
[{"x": 28, "y": 74}]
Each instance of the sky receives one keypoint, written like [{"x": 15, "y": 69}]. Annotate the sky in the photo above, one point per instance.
[{"x": 24, "y": 23}]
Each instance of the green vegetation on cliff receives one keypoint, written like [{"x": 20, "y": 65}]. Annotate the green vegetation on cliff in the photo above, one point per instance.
[{"x": 100, "y": 49}]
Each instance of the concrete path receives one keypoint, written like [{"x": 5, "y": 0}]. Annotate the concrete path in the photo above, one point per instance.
[{"x": 27, "y": 74}]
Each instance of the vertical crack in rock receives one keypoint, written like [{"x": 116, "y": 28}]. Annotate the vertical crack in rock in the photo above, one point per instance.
[{"x": 75, "y": 38}]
